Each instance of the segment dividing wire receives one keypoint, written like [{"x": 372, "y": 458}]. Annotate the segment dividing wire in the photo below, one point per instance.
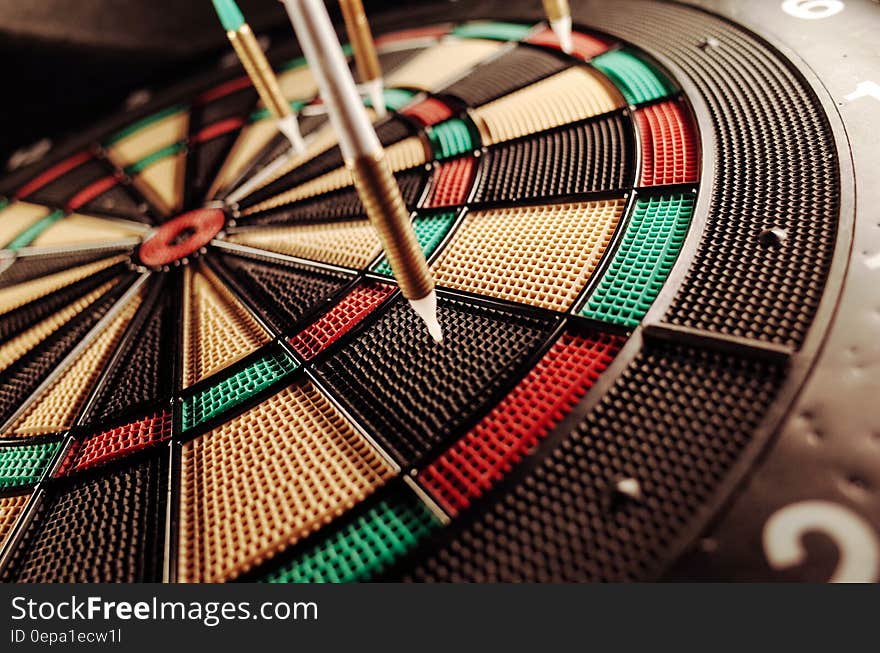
[{"x": 45, "y": 483}]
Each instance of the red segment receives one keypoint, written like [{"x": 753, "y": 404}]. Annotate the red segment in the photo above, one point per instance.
[
  {"x": 432, "y": 32},
  {"x": 223, "y": 90},
  {"x": 340, "y": 319},
  {"x": 584, "y": 46},
  {"x": 106, "y": 446},
  {"x": 217, "y": 129},
  {"x": 182, "y": 236},
  {"x": 429, "y": 111},
  {"x": 669, "y": 144},
  {"x": 90, "y": 192},
  {"x": 524, "y": 417},
  {"x": 51, "y": 174},
  {"x": 452, "y": 183}
]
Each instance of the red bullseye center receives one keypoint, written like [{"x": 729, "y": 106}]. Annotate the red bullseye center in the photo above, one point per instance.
[{"x": 181, "y": 237}]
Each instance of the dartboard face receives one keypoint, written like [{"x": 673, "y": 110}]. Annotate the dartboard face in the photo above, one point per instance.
[{"x": 208, "y": 374}]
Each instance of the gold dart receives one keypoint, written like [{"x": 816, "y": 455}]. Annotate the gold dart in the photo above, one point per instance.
[
  {"x": 258, "y": 69},
  {"x": 365, "y": 57},
  {"x": 365, "y": 158}
]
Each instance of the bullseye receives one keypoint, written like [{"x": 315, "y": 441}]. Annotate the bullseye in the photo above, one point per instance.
[{"x": 181, "y": 237}]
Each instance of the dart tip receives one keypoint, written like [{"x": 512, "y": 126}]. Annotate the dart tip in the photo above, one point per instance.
[
  {"x": 377, "y": 96},
  {"x": 562, "y": 28},
  {"x": 426, "y": 308},
  {"x": 289, "y": 126},
  {"x": 230, "y": 15}
]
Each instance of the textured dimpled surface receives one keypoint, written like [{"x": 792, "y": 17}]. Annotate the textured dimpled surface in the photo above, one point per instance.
[
  {"x": 235, "y": 389},
  {"x": 648, "y": 250},
  {"x": 542, "y": 255},
  {"x": 521, "y": 419},
  {"x": 10, "y": 509},
  {"x": 572, "y": 95},
  {"x": 25, "y": 375},
  {"x": 591, "y": 156},
  {"x": 413, "y": 393},
  {"x": 264, "y": 480},
  {"x": 285, "y": 292},
  {"x": 112, "y": 523},
  {"x": 502, "y": 75},
  {"x": 564, "y": 521},
  {"x": 142, "y": 371},
  {"x": 775, "y": 167},
  {"x": 340, "y": 319},
  {"x": 105, "y": 446},
  {"x": 363, "y": 545},
  {"x": 25, "y": 464}
]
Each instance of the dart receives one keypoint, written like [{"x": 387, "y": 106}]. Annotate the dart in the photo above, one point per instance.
[
  {"x": 258, "y": 69},
  {"x": 365, "y": 57},
  {"x": 559, "y": 14},
  {"x": 365, "y": 158}
]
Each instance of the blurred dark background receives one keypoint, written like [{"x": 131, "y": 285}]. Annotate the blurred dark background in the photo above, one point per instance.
[{"x": 68, "y": 63}]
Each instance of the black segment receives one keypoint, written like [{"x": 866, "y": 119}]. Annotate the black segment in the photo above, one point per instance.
[
  {"x": 60, "y": 190},
  {"x": 237, "y": 104},
  {"x": 205, "y": 157},
  {"x": 122, "y": 201},
  {"x": 203, "y": 162},
  {"x": 675, "y": 423},
  {"x": 414, "y": 394},
  {"x": 389, "y": 132},
  {"x": 775, "y": 166},
  {"x": 141, "y": 372},
  {"x": 284, "y": 293},
  {"x": 104, "y": 529},
  {"x": 32, "y": 267},
  {"x": 591, "y": 156},
  {"x": 20, "y": 380},
  {"x": 26, "y": 316},
  {"x": 338, "y": 205},
  {"x": 509, "y": 72}
]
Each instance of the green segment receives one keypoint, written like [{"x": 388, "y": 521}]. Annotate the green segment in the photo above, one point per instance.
[
  {"x": 430, "y": 232},
  {"x": 235, "y": 389},
  {"x": 644, "y": 259},
  {"x": 30, "y": 234},
  {"x": 26, "y": 464},
  {"x": 395, "y": 98},
  {"x": 143, "y": 122},
  {"x": 158, "y": 155},
  {"x": 299, "y": 62},
  {"x": 451, "y": 138},
  {"x": 637, "y": 80},
  {"x": 3, "y": 203},
  {"x": 492, "y": 30},
  {"x": 364, "y": 546},
  {"x": 261, "y": 114},
  {"x": 229, "y": 13}
]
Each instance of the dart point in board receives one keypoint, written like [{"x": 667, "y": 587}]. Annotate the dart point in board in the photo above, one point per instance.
[
  {"x": 365, "y": 158},
  {"x": 258, "y": 69},
  {"x": 559, "y": 14}
]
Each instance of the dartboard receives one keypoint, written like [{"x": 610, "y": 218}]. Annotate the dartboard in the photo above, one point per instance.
[{"x": 660, "y": 353}]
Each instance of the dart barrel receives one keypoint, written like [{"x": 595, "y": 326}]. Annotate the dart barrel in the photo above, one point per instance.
[
  {"x": 384, "y": 206},
  {"x": 361, "y": 38},
  {"x": 252, "y": 58}
]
